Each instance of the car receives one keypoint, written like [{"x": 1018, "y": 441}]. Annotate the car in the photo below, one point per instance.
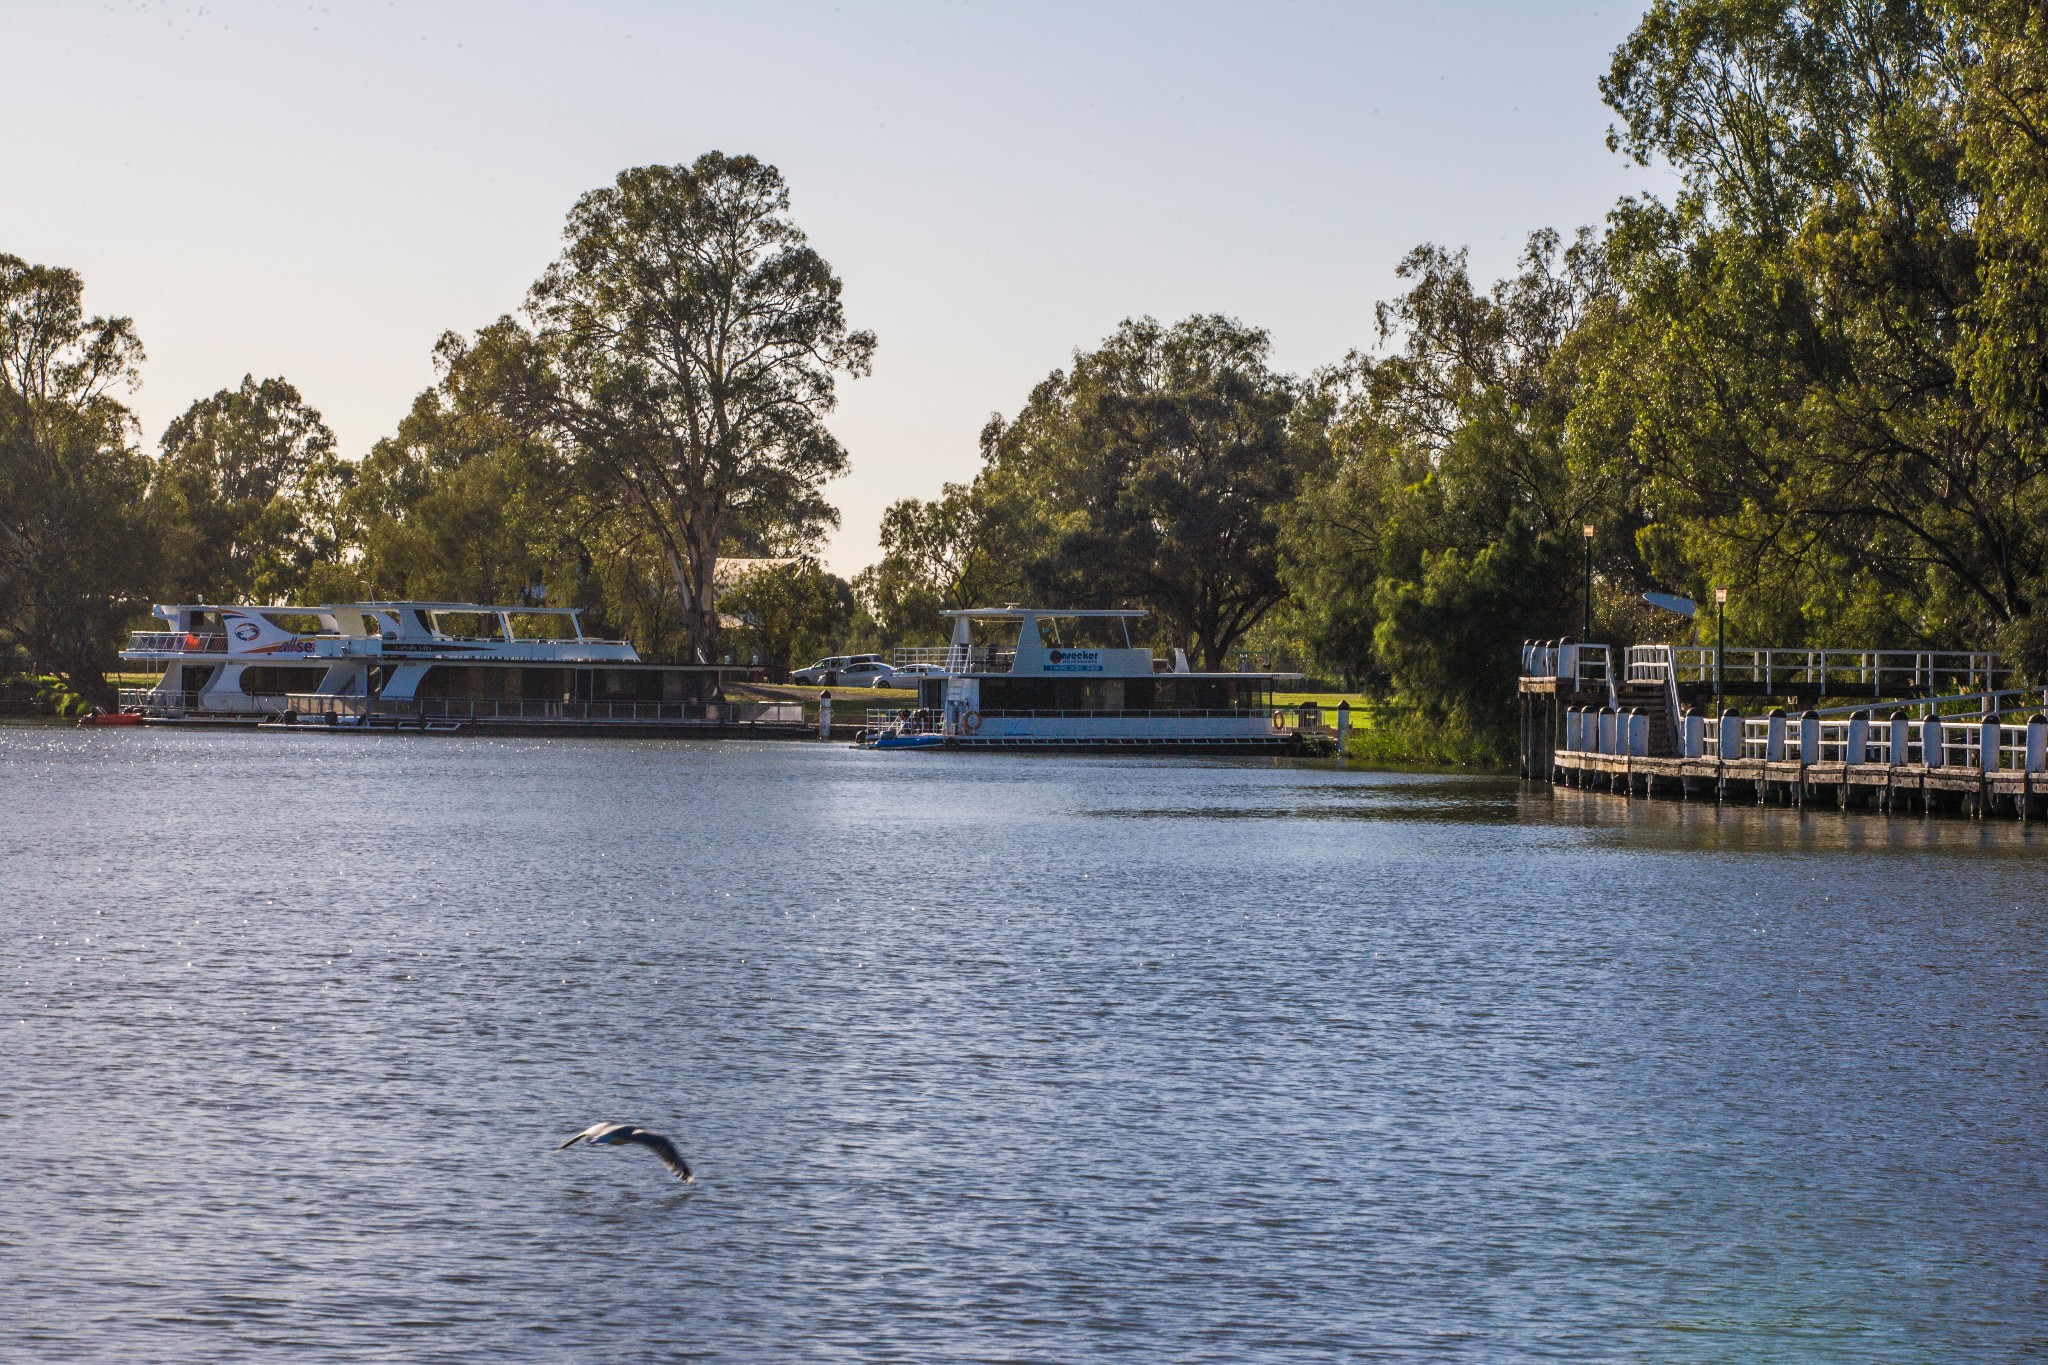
[
  {"x": 916, "y": 675},
  {"x": 845, "y": 670}
]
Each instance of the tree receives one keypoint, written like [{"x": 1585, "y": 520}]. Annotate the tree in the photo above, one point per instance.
[
  {"x": 686, "y": 348},
  {"x": 790, "y": 610},
  {"x": 1447, "y": 446},
  {"x": 965, "y": 548},
  {"x": 1157, "y": 465},
  {"x": 252, "y": 490},
  {"x": 77, "y": 551},
  {"x": 1452, "y": 638},
  {"x": 1794, "y": 382}
]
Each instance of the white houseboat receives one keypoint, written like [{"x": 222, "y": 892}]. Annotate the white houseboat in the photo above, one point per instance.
[
  {"x": 430, "y": 665},
  {"x": 1073, "y": 680}
]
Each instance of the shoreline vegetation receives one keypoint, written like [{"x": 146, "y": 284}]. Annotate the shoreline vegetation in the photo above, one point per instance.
[{"x": 1816, "y": 377}]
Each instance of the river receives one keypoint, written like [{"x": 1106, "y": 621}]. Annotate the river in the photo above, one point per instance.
[{"x": 986, "y": 1057}]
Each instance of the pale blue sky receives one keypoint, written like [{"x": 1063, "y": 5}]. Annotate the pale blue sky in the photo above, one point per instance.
[{"x": 318, "y": 190}]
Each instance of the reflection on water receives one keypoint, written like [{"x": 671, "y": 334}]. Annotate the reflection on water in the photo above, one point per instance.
[{"x": 986, "y": 1058}]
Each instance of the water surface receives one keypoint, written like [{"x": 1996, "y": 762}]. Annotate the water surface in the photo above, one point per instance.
[{"x": 997, "y": 1058}]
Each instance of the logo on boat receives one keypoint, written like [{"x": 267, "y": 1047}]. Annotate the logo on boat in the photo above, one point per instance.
[
  {"x": 1074, "y": 661},
  {"x": 248, "y": 630}
]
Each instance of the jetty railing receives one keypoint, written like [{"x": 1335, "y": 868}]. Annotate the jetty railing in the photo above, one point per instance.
[
  {"x": 1582, "y": 665},
  {"x": 1978, "y": 743},
  {"x": 1870, "y": 672}
]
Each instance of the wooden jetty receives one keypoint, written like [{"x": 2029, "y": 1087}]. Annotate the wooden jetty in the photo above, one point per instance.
[{"x": 1921, "y": 731}]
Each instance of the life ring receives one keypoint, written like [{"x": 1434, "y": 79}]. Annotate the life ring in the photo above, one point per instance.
[
  {"x": 1279, "y": 719},
  {"x": 971, "y": 722}
]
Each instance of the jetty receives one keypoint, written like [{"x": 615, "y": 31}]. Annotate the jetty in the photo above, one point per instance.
[{"x": 1891, "y": 730}]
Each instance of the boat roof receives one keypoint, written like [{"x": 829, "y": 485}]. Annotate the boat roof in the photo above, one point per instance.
[
  {"x": 450, "y": 606},
  {"x": 312, "y": 609},
  {"x": 1018, "y": 613}
]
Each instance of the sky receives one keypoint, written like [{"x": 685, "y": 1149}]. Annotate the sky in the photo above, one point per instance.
[{"x": 320, "y": 190}]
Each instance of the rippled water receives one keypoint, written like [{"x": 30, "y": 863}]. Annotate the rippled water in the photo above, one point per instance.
[{"x": 986, "y": 1057}]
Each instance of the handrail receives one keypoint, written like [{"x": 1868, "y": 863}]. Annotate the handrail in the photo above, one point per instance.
[
  {"x": 1980, "y": 743},
  {"x": 1866, "y": 671},
  {"x": 177, "y": 642}
]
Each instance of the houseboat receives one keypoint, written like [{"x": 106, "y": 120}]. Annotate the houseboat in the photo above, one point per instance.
[
  {"x": 423, "y": 665},
  {"x": 1063, "y": 679}
]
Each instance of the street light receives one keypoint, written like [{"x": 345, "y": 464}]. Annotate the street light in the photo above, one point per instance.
[
  {"x": 1587, "y": 634},
  {"x": 1720, "y": 634}
]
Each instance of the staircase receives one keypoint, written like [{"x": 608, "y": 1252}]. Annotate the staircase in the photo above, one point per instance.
[{"x": 1654, "y": 702}]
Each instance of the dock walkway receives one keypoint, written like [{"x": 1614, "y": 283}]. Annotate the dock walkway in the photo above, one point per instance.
[{"x": 1941, "y": 735}]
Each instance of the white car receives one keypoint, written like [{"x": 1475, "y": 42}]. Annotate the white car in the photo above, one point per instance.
[
  {"x": 910, "y": 675},
  {"x": 846, "y": 670}
]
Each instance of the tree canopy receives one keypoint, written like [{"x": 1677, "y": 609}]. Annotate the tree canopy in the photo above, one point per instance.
[{"x": 685, "y": 349}]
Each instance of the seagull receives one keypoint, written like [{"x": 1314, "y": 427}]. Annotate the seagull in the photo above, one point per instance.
[{"x": 613, "y": 1134}]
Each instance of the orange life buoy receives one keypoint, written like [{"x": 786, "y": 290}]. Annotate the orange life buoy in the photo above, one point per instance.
[
  {"x": 1279, "y": 719},
  {"x": 971, "y": 722}
]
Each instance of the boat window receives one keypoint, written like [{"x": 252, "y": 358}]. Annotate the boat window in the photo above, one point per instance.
[
  {"x": 469, "y": 625},
  {"x": 265, "y": 680},
  {"x": 1094, "y": 632},
  {"x": 536, "y": 625}
]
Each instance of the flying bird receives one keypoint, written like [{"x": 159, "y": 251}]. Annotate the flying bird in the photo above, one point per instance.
[{"x": 617, "y": 1134}]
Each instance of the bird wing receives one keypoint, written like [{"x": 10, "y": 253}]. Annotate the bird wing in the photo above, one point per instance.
[
  {"x": 663, "y": 1148},
  {"x": 591, "y": 1134}
]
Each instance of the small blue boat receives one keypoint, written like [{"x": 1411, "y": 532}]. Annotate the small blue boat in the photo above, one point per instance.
[{"x": 924, "y": 741}]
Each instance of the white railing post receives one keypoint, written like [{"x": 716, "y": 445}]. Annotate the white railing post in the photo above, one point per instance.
[
  {"x": 1899, "y": 741},
  {"x": 2037, "y": 743},
  {"x": 1692, "y": 734},
  {"x": 1931, "y": 744},
  {"x": 1731, "y": 735},
  {"x": 1809, "y": 738},
  {"x": 1774, "y": 735},
  {"x": 1638, "y": 733},
  {"x": 1989, "y": 735},
  {"x": 1857, "y": 750},
  {"x": 1606, "y": 741}
]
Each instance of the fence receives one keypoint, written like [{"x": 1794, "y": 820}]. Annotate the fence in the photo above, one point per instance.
[
  {"x": 1866, "y": 672},
  {"x": 1981, "y": 743},
  {"x": 1584, "y": 666}
]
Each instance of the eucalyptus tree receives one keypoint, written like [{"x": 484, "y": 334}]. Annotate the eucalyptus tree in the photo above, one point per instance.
[
  {"x": 1800, "y": 370},
  {"x": 965, "y": 548},
  {"x": 77, "y": 551},
  {"x": 251, "y": 489},
  {"x": 686, "y": 347},
  {"x": 1155, "y": 468}
]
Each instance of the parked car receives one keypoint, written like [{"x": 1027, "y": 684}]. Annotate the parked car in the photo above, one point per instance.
[
  {"x": 910, "y": 675},
  {"x": 845, "y": 670}
]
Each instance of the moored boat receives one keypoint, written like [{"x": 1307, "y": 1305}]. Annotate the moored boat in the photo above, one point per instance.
[
  {"x": 429, "y": 666},
  {"x": 1073, "y": 679}
]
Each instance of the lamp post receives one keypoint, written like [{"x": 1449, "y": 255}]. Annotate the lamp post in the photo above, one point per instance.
[
  {"x": 1587, "y": 633},
  {"x": 1720, "y": 634}
]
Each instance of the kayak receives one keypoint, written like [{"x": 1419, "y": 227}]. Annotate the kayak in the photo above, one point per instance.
[{"x": 111, "y": 718}]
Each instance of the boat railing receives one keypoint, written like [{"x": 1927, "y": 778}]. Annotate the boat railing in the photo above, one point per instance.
[
  {"x": 895, "y": 720},
  {"x": 316, "y": 705},
  {"x": 177, "y": 642},
  {"x": 955, "y": 658},
  {"x": 598, "y": 712}
]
